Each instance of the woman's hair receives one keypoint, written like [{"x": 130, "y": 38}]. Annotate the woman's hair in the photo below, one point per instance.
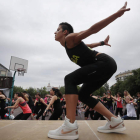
[
  {"x": 66, "y": 26},
  {"x": 127, "y": 92},
  {"x": 22, "y": 95},
  {"x": 3, "y": 93},
  {"x": 38, "y": 94},
  {"x": 119, "y": 94},
  {"x": 57, "y": 92}
]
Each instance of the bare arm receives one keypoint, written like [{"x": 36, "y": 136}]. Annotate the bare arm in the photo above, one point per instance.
[
  {"x": 119, "y": 100},
  {"x": 15, "y": 105},
  {"x": 77, "y": 37},
  {"x": 43, "y": 101},
  {"x": 93, "y": 45},
  {"x": 51, "y": 103}
]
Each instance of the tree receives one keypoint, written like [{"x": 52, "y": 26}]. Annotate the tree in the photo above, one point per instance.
[
  {"x": 62, "y": 90},
  {"x": 131, "y": 84},
  {"x": 32, "y": 91},
  {"x": 17, "y": 89}
]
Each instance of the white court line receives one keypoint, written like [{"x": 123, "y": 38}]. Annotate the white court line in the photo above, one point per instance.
[
  {"x": 9, "y": 125},
  {"x": 92, "y": 130}
]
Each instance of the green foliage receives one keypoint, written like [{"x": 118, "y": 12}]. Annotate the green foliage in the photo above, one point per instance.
[
  {"x": 62, "y": 90},
  {"x": 131, "y": 84},
  {"x": 99, "y": 91},
  {"x": 32, "y": 91}
]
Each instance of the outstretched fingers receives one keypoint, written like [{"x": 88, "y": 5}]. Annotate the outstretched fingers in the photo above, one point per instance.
[{"x": 124, "y": 7}]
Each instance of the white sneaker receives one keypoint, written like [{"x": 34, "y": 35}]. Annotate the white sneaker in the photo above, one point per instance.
[
  {"x": 115, "y": 125},
  {"x": 66, "y": 131}
]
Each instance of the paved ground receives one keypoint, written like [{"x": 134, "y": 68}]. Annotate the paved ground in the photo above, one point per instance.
[{"x": 38, "y": 130}]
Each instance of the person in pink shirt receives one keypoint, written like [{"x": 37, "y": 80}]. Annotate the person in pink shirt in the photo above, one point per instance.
[
  {"x": 22, "y": 103},
  {"x": 45, "y": 99}
]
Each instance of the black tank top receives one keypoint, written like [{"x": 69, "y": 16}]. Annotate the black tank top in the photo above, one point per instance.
[
  {"x": 2, "y": 103},
  {"x": 81, "y": 54},
  {"x": 109, "y": 101},
  {"x": 57, "y": 104},
  {"x": 138, "y": 103},
  {"x": 30, "y": 102},
  {"x": 41, "y": 105}
]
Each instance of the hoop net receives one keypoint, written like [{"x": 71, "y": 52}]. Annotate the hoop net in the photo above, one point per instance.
[{"x": 21, "y": 71}]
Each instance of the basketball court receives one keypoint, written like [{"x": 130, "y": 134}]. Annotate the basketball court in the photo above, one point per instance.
[{"x": 37, "y": 130}]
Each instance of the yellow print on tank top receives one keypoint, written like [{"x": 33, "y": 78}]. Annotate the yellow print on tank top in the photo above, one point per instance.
[{"x": 75, "y": 58}]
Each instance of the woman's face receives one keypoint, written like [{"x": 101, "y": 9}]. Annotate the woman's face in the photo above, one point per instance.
[
  {"x": 108, "y": 93},
  {"x": 37, "y": 96},
  {"x": 51, "y": 92},
  {"x": 15, "y": 96},
  {"x": 125, "y": 93},
  {"x": 117, "y": 95},
  {"x": 59, "y": 33}
]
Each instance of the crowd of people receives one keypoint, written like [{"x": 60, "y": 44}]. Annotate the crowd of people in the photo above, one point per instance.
[{"x": 54, "y": 106}]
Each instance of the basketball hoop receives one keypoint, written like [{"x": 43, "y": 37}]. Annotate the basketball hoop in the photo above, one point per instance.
[{"x": 21, "y": 71}]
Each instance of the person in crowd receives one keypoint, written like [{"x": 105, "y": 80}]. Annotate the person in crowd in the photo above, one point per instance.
[
  {"x": 55, "y": 101},
  {"x": 109, "y": 103},
  {"x": 88, "y": 111},
  {"x": 104, "y": 99},
  {"x": 21, "y": 101},
  {"x": 2, "y": 104},
  {"x": 97, "y": 115},
  {"x": 30, "y": 102},
  {"x": 119, "y": 104},
  {"x": 138, "y": 105},
  {"x": 41, "y": 106},
  {"x": 126, "y": 93},
  {"x": 45, "y": 99},
  {"x": 131, "y": 113}
]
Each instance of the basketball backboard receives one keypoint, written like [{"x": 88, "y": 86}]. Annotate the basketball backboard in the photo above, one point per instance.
[{"x": 18, "y": 63}]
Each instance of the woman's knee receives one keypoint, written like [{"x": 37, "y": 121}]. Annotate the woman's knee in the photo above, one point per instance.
[{"x": 68, "y": 79}]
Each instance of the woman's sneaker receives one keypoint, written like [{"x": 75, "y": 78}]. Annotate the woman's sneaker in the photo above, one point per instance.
[
  {"x": 115, "y": 125},
  {"x": 66, "y": 131}
]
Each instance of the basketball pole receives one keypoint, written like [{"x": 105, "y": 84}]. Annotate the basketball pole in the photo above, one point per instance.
[{"x": 11, "y": 91}]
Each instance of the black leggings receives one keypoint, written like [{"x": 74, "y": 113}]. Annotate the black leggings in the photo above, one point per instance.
[
  {"x": 119, "y": 110},
  {"x": 138, "y": 113},
  {"x": 2, "y": 113},
  {"x": 56, "y": 114},
  {"x": 97, "y": 116},
  {"x": 41, "y": 113},
  {"x": 89, "y": 112},
  {"x": 22, "y": 116},
  {"x": 93, "y": 76}
]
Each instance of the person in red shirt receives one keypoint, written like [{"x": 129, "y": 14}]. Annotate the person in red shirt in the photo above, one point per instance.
[{"x": 119, "y": 104}]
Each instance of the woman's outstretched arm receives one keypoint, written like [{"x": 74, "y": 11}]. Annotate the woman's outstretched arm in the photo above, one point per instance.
[
  {"x": 77, "y": 37},
  {"x": 93, "y": 45}
]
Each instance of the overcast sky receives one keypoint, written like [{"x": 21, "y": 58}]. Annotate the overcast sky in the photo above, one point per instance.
[{"x": 27, "y": 31}]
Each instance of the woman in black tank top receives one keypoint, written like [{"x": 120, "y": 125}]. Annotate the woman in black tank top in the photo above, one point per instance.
[
  {"x": 41, "y": 106},
  {"x": 95, "y": 68},
  {"x": 55, "y": 101}
]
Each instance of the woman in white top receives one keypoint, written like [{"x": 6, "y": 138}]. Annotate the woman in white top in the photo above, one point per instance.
[{"x": 131, "y": 113}]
